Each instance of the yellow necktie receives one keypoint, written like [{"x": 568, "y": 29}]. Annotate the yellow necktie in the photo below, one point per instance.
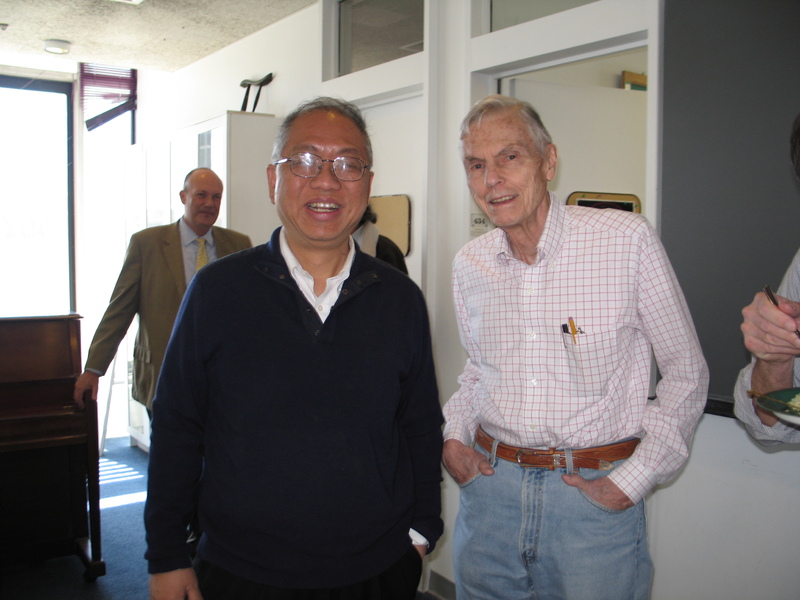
[{"x": 202, "y": 255}]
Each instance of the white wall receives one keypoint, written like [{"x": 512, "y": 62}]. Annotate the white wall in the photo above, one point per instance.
[
  {"x": 399, "y": 165},
  {"x": 600, "y": 134},
  {"x": 289, "y": 49},
  {"x": 727, "y": 527}
]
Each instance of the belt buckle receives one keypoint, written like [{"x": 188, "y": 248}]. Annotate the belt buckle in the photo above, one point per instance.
[{"x": 549, "y": 452}]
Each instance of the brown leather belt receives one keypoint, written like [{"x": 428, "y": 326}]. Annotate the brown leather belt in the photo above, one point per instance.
[{"x": 598, "y": 457}]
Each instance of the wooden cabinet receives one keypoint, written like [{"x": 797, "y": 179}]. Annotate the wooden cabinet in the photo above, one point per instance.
[{"x": 50, "y": 495}]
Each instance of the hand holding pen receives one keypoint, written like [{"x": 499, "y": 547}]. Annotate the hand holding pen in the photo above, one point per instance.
[
  {"x": 771, "y": 297},
  {"x": 770, "y": 334}
]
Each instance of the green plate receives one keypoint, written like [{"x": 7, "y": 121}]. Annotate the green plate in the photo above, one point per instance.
[{"x": 777, "y": 403}]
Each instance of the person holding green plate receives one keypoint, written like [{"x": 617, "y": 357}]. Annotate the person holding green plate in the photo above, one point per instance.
[{"x": 770, "y": 334}]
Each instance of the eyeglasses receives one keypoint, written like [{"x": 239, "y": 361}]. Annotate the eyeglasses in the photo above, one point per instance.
[{"x": 308, "y": 165}]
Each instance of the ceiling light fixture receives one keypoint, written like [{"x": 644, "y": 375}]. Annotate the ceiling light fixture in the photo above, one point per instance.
[{"x": 56, "y": 46}]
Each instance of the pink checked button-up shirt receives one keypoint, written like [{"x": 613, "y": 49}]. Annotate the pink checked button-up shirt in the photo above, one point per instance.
[{"x": 530, "y": 384}]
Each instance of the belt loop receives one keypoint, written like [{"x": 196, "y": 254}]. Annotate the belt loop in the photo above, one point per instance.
[
  {"x": 493, "y": 458},
  {"x": 568, "y": 456}
]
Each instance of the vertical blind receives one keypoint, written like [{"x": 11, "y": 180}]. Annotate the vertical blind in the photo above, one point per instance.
[{"x": 106, "y": 93}]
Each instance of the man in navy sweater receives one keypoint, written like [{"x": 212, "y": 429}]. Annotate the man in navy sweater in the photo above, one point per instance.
[{"x": 297, "y": 407}]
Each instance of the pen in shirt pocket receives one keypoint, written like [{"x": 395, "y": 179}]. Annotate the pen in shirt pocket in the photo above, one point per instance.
[{"x": 570, "y": 328}]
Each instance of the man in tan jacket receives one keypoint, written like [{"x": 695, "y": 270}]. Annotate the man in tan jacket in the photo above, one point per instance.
[{"x": 158, "y": 266}]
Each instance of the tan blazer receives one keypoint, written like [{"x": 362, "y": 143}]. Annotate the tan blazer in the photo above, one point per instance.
[{"x": 151, "y": 284}]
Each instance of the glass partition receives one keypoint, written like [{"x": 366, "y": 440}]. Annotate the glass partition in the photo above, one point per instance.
[
  {"x": 506, "y": 13},
  {"x": 372, "y": 32}
]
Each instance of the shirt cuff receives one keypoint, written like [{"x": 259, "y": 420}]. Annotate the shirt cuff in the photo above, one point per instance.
[
  {"x": 633, "y": 479},
  {"x": 454, "y": 430},
  {"x": 417, "y": 538}
]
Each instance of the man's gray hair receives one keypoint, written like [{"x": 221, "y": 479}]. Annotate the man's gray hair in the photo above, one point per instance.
[
  {"x": 327, "y": 104},
  {"x": 499, "y": 103}
]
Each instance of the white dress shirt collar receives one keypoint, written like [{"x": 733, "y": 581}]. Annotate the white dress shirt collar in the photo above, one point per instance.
[{"x": 325, "y": 301}]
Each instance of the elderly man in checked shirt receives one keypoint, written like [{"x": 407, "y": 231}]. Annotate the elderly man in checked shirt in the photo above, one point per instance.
[{"x": 552, "y": 436}]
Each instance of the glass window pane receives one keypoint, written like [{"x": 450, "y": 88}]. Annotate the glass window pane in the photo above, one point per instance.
[
  {"x": 506, "y": 13},
  {"x": 34, "y": 221},
  {"x": 372, "y": 32}
]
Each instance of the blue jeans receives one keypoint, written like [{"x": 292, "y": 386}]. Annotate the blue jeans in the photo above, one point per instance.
[{"x": 523, "y": 533}]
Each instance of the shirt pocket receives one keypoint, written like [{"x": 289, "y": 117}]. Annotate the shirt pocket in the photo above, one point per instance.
[{"x": 591, "y": 358}]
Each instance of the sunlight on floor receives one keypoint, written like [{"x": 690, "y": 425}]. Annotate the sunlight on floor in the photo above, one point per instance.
[
  {"x": 122, "y": 500},
  {"x": 112, "y": 471}
]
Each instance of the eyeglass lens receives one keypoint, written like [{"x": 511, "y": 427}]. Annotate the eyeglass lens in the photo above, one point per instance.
[{"x": 346, "y": 168}]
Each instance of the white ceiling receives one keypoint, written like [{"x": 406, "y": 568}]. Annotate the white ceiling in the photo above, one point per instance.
[{"x": 164, "y": 35}]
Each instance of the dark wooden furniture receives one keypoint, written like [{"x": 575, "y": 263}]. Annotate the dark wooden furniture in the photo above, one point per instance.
[{"x": 49, "y": 459}]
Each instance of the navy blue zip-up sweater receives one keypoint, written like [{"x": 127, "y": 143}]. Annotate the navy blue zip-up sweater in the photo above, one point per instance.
[{"x": 317, "y": 445}]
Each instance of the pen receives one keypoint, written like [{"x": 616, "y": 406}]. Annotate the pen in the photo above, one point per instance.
[
  {"x": 774, "y": 300},
  {"x": 574, "y": 330}
]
